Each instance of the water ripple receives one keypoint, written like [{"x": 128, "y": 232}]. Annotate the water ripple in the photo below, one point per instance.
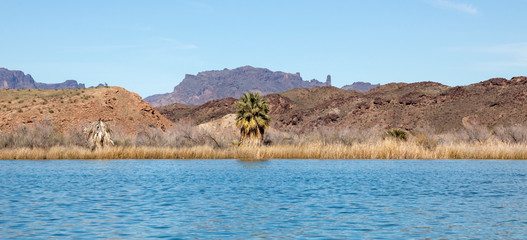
[{"x": 231, "y": 199}]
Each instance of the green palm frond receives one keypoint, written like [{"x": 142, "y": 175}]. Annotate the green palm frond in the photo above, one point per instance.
[{"x": 252, "y": 116}]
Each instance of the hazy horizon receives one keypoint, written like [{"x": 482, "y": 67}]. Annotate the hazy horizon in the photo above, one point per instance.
[{"x": 148, "y": 47}]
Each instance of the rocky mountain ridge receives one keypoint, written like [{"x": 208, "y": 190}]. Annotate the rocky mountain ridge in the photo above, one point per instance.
[
  {"x": 14, "y": 79},
  {"x": 360, "y": 86},
  {"x": 492, "y": 103},
  {"x": 218, "y": 84}
]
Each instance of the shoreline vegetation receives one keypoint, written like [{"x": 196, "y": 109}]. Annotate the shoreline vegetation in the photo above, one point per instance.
[
  {"x": 386, "y": 149},
  {"x": 42, "y": 141}
]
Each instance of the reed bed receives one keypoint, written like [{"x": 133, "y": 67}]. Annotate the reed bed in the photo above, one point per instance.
[{"x": 384, "y": 149}]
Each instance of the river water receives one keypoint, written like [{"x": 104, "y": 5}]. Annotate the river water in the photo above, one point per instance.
[{"x": 274, "y": 199}]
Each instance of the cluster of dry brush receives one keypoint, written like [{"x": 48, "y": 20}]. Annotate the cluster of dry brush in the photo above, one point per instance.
[{"x": 99, "y": 134}]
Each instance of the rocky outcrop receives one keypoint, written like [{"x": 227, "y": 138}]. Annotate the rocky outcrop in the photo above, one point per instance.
[
  {"x": 18, "y": 80},
  {"x": 360, "y": 86},
  {"x": 68, "y": 84},
  {"x": 212, "y": 85},
  {"x": 15, "y": 79}
]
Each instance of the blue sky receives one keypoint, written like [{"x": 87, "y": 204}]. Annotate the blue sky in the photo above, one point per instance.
[{"x": 148, "y": 46}]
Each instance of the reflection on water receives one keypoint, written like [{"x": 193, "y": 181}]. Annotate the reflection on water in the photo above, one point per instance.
[
  {"x": 253, "y": 163},
  {"x": 263, "y": 199}
]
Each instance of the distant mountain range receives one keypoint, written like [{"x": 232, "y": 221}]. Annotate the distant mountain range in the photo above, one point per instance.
[
  {"x": 360, "y": 86},
  {"x": 212, "y": 85},
  {"x": 13, "y": 79}
]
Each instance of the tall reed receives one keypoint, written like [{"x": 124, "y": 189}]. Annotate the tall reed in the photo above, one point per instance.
[{"x": 385, "y": 149}]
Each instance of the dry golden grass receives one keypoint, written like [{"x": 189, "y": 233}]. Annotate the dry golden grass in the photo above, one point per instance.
[{"x": 383, "y": 149}]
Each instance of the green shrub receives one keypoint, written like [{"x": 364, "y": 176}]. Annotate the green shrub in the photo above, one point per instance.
[{"x": 398, "y": 134}]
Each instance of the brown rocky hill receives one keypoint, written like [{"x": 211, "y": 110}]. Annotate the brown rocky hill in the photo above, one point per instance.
[
  {"x": 18, "y": 80},
  {"x": 72, "y": 109},
  {"x": 495, "y": 102},
  {"x": 213, "y": 85}
]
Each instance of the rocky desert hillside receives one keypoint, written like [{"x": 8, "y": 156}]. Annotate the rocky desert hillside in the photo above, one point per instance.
[
  {"x": 18, "y": 80},
  {"x": 73, "y": 109},
  {"x": 492, "y": 103},
  {"x": 214, "y": 85}
]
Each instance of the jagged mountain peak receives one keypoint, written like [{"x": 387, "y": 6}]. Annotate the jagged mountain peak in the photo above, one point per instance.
[
  {"x": 218, "y": 84},
  {"x": 16, "y": 79}
]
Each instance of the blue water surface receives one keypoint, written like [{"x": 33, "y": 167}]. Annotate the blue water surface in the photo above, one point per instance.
[{"x": 274, "y": 199}]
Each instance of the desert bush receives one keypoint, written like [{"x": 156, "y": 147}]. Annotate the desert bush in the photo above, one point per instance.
[
  {"x": 368, "y": 135},
  {"x": 153, "y": 137},
  {"x": 398, "y": 134},
  {"x": 219, "y": 140},
  {"x": 332, "y": 136},
  {"x": 121, "y": 138},
  {"x": 183, "y": 135},
  {"x": 425, "y": 137},
  {"x": 274, "y": 137},
  {"x": 186, "y": 135},
  {"x": 75, "y": 137},
  {"x": 347, "y": 136},
  {"x": 511, "y": 134},
  {"x": 481, "y": 134},
  {"x": 40, "y": 135},
  {"x": 474, "y": 133},
  {"x": 326, "y": 136}
]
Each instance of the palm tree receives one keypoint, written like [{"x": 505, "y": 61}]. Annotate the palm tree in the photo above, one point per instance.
[
  {"x": 252, "y": 117},
  {"x": 99, "y": 135}
]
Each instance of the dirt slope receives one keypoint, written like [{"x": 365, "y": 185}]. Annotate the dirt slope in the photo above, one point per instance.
[{"x": 69, "y": 109}]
